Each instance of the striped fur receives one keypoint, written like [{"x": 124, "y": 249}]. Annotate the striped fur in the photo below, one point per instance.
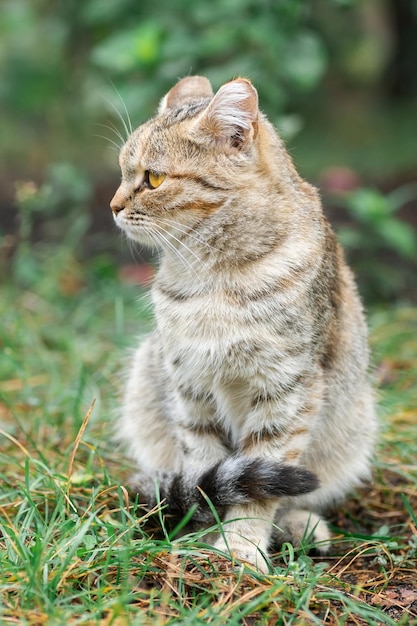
[
  {"x": 256, "y": 373},
  {"x": 238, "y": 479}
]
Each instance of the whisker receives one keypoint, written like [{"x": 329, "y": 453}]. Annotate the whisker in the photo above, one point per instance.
[
  {"x": 116, "y": 146},
  {"x": 176, "y": 252},
  {"x": 114, "y": 130},
  {"x": 124, "y": 106},
  {"x": 157, "y": 245},
  {"x": 186, "y": 247},
  {"x": 191, "y": 233},
  {"x": 171, "y": 247},
  {"x": 145, "y": 300},
  {"x": 120, "y": 116},
  {"x": 162, "y": 237},
  {"x": 133, "y": 249}
]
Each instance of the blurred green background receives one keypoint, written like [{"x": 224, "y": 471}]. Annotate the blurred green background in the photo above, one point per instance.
[{"x": 336, "y": 77}]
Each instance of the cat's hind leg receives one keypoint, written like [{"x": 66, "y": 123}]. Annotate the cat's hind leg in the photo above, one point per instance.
[{"x": 300, "y": 527}]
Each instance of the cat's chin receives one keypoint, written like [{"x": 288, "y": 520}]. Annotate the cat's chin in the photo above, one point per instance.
[
  {"x": 143, "y": 239},
  {"x": 139, "y": 235}
]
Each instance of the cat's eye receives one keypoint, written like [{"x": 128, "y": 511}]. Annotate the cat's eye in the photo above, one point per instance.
[{"x": 154, "y": 180}]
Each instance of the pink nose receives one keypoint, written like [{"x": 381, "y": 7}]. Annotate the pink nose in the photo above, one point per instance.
[
  {"x": 118, "y": 202},
  {"x": 116, "y": 208}
]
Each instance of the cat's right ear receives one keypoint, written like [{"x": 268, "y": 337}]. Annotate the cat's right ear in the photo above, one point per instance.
[
  {"x": 231, "y": 118},
  {"x": 188, "y": 88}
]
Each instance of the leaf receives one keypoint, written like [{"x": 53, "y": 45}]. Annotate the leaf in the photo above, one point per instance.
[
  {"x": 399, "y": 236},
  {"x": 90, "y": 542},
  {"x": 402, "y": 195},
  {"x": 305, "y": 60},
  {"x": 125, "y": 50},
  {"x": 368, "y": 205},
  {"x": 350, "y": 238}
]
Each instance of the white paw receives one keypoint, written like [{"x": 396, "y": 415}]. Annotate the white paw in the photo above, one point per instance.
[
  {"x": 244, "y": 550},
  {"x": 318, "y": 533},
  {"x": 303, "y": 527}
]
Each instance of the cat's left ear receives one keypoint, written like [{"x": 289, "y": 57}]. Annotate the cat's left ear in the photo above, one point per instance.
[
  {"x": 188, "y": 88},
  {"x": 232, "y": 116}
]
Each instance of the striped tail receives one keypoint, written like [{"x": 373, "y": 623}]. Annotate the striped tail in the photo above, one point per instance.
[{"x": 235, "y": 480}]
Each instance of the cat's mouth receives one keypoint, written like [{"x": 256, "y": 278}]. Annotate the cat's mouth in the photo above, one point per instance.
[
  {"x": 125, "y": 218},
  {"x": 139, "y": 228}
]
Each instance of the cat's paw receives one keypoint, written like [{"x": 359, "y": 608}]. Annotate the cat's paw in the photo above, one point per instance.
[
  {"x": 244, "y": 550},
  {"x": 302, "y": 527}
]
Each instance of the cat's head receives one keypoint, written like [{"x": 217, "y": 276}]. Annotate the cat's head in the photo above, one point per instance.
[{"x": 199, "y": 161}]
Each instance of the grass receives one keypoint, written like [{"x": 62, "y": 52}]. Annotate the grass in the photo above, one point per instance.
[{"x": 75, "y": 550}]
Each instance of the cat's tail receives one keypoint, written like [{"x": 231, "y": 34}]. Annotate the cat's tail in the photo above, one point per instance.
[{"x": 235, "y": 480}]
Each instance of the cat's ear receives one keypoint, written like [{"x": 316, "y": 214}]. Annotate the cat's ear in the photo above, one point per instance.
[
  {"x": 232, "y": 116},
  {"x": 189, "y": 88}
]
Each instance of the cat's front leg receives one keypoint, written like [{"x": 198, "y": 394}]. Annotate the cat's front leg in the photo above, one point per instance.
[
  {"x": 245, "y": 533},
  {"x": 203, "y": 438},
  {"x": 278, "y": 427},
  {"x": 145, "y": 426}
]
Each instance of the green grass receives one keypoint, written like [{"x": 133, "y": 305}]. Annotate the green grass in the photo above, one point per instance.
[{"x": 75, "y": 550}]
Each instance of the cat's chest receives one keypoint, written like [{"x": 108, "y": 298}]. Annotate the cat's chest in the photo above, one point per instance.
[
  {"x": 198, "y": 331},
  {"x": 210, "y": 337},
  {"x": 223, "y": 354}
]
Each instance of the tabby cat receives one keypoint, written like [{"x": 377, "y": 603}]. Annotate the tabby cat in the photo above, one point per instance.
[{"x": 252, "y": 392}]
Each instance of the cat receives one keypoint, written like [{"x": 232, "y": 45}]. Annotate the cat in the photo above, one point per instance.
[{"x": 252, "y": 395}]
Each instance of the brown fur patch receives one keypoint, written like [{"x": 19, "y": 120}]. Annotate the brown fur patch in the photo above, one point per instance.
[
  {"x": 202, "y": 206},
  {"x": 266, "y": 435},
  {"x": 302, "y": 430},
  {"x": 292, "y": 455}
]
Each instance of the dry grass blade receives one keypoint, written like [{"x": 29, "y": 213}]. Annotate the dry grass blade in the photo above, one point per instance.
[
  {"x": 78, "y": 441},
  {"x": 15, "y": 441}
]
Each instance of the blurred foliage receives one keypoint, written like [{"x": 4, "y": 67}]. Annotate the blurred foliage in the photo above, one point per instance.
[
  {"x": 221, "y": 39},
  {"x": 377, "y": 223},
  {"x": 58, "y": 208},
  {"x": 384, "y": 246},
  {"x": 68, "y": 68},
  {"x": 59, "y": 60},
  {"x": 66, "y": 64}
]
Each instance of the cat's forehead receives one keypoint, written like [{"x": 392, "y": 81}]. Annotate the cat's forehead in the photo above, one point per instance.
[
  {"x": 160, "y": 138},
  {"x": 145, "y": 148},
  {"x": 133, "y": 149}
]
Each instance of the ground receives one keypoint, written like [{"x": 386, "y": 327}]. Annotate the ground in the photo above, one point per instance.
[{"x": 75, "y": 550}]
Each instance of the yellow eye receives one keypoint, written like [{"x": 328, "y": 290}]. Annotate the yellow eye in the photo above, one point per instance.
[{"x": 155, "y": 180}]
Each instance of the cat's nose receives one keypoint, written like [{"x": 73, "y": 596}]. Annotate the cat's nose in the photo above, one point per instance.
[
  {"x": 116, "y": 208},
  {"x": 117, "y": 203}
]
